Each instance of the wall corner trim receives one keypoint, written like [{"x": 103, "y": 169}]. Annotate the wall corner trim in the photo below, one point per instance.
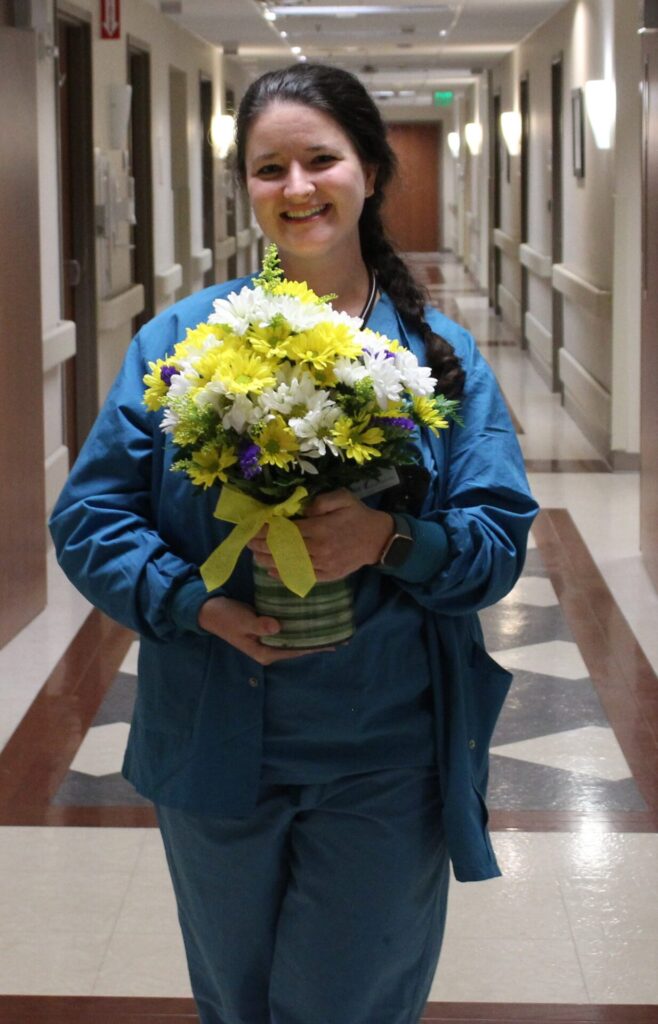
[
  {"x": 167, "y": 282},
  {"x": 59, "y": 344},
  {"x": 117, "y": 310},
  {"x": 201, "y": 261},
  {"x": 536, "y": 262},
  {"x": 226, "y": 248},
  {"x": 597, "y": 301},
  {"x": 56, "y": 469},
  {"x": 506, "y": 243}
]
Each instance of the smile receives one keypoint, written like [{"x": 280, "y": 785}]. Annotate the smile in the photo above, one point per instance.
[{"x": 304, "y": 214}]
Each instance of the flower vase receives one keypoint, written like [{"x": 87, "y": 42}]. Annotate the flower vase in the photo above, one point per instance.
[{"x": 321, "y": 619}]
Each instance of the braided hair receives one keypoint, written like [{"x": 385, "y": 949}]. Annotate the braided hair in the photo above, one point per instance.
[{"x": 342, "y": 96}]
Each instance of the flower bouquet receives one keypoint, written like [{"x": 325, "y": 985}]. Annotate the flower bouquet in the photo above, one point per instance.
[{"x": 278, "y": 398}]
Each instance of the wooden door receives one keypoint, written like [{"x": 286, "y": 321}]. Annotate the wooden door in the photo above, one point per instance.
[
  {"x": 78, "y": 240},
  {"x": 411, "y": 209},
  {"x": 649, "y": 385},
  {"x": 22, "y": 499},
  {"x": 139, "y": 142}
]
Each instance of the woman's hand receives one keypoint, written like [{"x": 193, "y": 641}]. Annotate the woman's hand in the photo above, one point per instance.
[
  {"x": 241, "y": 626},
  {"x": 341, "y": 534}
]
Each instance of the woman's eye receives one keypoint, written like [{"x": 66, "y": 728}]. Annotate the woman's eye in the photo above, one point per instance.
[
  {"x": 324, "y": 158},
  {"x": 268, "y": 170}
]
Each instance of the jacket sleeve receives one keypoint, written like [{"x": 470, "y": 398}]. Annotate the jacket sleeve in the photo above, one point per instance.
[
  {"x": 103, "y": 524},
  {"x": 470, "y": 550}
]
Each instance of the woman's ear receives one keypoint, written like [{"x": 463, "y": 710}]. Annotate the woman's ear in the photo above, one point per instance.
[{"x": 370, "y": 173}]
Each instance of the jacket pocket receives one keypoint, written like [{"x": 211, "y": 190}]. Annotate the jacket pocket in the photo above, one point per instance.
[{"x": 171, "y": 683}]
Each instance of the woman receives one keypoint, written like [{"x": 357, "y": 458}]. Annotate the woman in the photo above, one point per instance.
[{"x": 310, "y": 802}]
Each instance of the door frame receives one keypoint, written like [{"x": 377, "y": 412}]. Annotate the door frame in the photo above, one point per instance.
[
  {"x": 524, "y": 108},
  {"x": 557, "y": 207},
  {"x": 138, "y": 66}
]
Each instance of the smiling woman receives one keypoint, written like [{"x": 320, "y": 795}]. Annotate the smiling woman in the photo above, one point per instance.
[{"x": 310, "y": 801}]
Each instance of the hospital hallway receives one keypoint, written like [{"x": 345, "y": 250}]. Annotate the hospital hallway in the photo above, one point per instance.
[{"x": 88, "y": 930}]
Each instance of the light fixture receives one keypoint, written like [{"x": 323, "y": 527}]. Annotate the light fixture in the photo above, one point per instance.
[
  {"x": 296, "y": 49},
  {"x": 473, "y": 134},
  {"x": 601, "y": 107},
  {"x": 443, "y": 33},
  {"x": 269, "y": 15},
  {"x": 339, "y": 11},
  {"x": 284, "y": 35},
  {"x": 222, "y": 134},
  {"x": 512, "y": 128},
  {"x": 454, "y": 144}
]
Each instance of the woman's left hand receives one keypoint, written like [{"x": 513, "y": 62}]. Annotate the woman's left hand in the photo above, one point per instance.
[{"x": 341, "y": 534}]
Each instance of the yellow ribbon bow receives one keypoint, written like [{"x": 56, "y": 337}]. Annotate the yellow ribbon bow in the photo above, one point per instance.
[{"x": 283, "y": 538}]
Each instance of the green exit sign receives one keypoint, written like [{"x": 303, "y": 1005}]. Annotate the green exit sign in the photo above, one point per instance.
[{"x": 443, "y": 99}]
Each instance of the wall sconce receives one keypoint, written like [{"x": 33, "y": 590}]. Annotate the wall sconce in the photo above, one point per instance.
[
  {"x": 601, "y": 107},
  {"x": 473, "y": 133},
  {"x": 454, "y": 144},
  {"x": 222, "y": 134},
  {"x": 512, "y": 127}
]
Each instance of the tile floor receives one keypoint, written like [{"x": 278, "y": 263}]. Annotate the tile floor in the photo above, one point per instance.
[{"x": 88, "y": 911}]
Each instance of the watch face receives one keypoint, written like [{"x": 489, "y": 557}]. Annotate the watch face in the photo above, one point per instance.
[{"x": 397, "y": 552}]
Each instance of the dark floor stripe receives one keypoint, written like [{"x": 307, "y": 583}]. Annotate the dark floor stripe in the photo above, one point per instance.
[{"x": 119, "y": 1010}]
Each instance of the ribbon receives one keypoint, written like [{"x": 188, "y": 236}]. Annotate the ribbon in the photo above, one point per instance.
[{"x": 283, "y": 538}]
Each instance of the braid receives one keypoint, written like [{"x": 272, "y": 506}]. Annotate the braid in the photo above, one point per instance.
[{"x": 409, "y": 298}]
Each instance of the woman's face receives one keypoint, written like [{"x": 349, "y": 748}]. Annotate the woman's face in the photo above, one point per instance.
[{"x": 306, "y": 182}]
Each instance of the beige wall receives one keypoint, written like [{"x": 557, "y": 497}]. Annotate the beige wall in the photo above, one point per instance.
[{"x": 597, "y": 39}]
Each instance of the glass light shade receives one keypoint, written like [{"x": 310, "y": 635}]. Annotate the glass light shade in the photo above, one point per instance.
[
  {"x": 473, "y": 133},
  {"x": 601, "y": 107},
  {"x": 511, "y": 127},
  {"x": 454, "y": 144},
  {"x": 222, "y": 134}
]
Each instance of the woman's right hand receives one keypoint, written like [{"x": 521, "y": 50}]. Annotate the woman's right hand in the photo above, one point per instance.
[{"x": 242, "y": 627}]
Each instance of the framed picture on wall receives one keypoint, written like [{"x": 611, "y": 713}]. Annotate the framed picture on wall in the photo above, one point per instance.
[{"x": 578, "y": 132}]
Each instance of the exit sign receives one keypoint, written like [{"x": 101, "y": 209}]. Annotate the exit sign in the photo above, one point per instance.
[{"x": 443, "y": 99}]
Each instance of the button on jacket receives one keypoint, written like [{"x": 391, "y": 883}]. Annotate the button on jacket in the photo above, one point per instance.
[{"x": 130, "y": 534}]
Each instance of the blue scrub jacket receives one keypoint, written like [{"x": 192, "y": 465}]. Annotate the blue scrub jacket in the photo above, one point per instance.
[{"x": 131, "y": 535}]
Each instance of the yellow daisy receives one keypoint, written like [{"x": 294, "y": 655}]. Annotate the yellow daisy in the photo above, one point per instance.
[
  {"x": 244, "y": 372},
  {"x": 356, "y": 439},
  {"x": 207, "y": 467},
  {"x": 156, "y": 386},
  {"x": 278, "y": 444},
  {"x": 428, "y": 414},
  {"x": 322, "y": 345}
]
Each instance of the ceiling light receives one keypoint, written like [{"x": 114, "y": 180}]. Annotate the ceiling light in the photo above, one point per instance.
[
  {"x": 443, "y": 32},
  {"x": 512, "y": 128},
  {"x": 222, "y": 134},
  {"x": 284, "y": 35},
  {"x": 406, "y": 92},
  {"x": 269, "y": 15},
  {"x": 317, "y": 11},
  {"x": 296, "y": 49},
  {"x": 473, "y": 133},
  {"x": 454, "y": 144},
  {"x": 601, "y": 107}
]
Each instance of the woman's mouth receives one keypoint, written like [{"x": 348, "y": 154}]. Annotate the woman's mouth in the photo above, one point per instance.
[{"x": 305, "y": 215}]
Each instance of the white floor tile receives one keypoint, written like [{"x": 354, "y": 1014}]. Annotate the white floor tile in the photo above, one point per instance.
[
  {"x": 144, "y": 964},
  {"x": 555, "y": 658},
  {"x": 101, "y": 751},
  {"x": 592, "y": 750},
  {"x": 537, "y": 591}
]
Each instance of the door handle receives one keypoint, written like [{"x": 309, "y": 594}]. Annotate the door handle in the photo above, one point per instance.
[{"x": 72, "y": 273}]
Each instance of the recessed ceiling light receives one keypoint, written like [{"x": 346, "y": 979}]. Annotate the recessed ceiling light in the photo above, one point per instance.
[
  {"x": 284, "y": 35},
  {"x": 443, "y": 32},
  {"x": 269, "y": 15},
  {"x": 296, "y": 49},
  {"x": 354, "y": 11}
]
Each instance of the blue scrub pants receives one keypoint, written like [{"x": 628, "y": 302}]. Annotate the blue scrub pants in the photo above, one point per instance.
[{"x": 325, "y": 906}]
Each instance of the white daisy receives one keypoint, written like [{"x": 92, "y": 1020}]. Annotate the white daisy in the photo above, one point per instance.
[{"x": 417, "y": 378}]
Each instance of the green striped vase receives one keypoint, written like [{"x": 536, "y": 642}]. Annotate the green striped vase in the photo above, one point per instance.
[{"x": 321, "y": 619}]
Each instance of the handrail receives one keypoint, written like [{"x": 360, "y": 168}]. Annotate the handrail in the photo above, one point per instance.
[
  {"x": 578, "y": 289},
  {"x": 117, "y": 310},
  {"x": 534, "y": 261}
]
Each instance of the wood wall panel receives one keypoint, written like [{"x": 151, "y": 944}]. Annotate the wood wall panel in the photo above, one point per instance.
[
  {"x": 22, "y": 499},
  {"x": 649, "y": 386}
]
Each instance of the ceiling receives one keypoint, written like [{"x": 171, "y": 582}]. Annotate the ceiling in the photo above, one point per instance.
[{"x": 408, "y": 46}]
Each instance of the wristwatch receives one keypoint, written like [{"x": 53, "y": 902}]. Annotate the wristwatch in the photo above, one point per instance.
[{"x": 398, "y": 547}]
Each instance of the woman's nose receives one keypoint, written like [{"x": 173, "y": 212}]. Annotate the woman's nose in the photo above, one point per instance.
[{"x": 298, "y": 184}]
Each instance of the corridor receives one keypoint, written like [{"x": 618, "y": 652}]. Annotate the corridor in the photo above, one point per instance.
[{"x": 88, "y": 931}]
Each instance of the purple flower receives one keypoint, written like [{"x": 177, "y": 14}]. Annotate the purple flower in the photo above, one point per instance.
[
  {"x": 167, "y": 372},
  {"x": 401, "y": 422},
  {"x": 387, "y": 353},
  {"x": 249, "y": 461}
]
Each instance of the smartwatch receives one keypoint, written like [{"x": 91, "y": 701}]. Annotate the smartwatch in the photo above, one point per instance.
[{"x": 398, "y": 547}]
